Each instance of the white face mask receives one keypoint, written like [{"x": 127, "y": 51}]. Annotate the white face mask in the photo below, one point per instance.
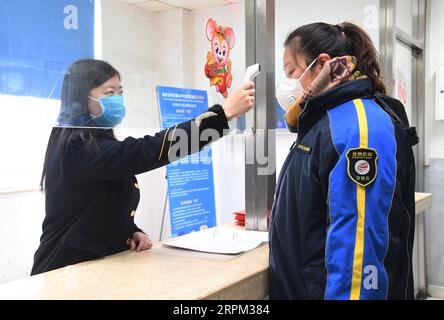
[{"x": 291, "y": 89}]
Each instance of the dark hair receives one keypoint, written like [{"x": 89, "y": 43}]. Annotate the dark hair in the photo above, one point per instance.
[
  {"x": 74, "y": 117},
  {"x": 338, "y": 40}
]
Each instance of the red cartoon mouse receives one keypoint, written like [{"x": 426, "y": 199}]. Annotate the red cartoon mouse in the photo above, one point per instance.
[{"x": 218, "y": 66}]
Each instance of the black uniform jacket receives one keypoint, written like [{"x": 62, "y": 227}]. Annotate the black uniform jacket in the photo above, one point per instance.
[{"x": 91, "y": 201}]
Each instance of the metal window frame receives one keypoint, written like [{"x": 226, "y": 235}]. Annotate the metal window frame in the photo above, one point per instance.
[
  {"x": 259, "y": 189},
  {"x": 419, "y": 70},
  {"x": 387, "y": 41}
]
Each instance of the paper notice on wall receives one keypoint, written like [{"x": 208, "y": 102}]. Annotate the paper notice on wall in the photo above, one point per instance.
[{"x": 220, "y": 241}]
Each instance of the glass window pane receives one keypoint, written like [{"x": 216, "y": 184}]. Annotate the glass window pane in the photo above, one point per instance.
[
  {"x": 405, "y": 15},
  {"x": 403, "y": 83},
  {"x": 149, "y": 44}
]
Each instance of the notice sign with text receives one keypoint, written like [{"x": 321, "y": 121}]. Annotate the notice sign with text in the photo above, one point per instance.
[{"x": 190, "y": 180}]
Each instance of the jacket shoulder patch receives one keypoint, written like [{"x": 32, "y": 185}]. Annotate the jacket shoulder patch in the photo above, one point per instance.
[{"x": 362, "y": 165}]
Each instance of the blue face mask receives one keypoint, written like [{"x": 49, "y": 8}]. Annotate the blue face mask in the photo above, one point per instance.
[{"x": 113, "y": 111}]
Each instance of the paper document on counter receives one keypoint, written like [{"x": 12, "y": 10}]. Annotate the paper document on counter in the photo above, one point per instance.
[{"x": 220, "y": 240}]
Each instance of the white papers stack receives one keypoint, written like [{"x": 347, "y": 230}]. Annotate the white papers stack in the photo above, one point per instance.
[{"x": 220, "y": 240}]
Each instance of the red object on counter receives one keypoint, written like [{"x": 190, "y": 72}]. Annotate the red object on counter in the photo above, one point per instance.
[{"x": 239, "y": 217}]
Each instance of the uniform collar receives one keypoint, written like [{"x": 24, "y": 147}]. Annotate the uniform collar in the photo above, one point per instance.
[{"x": 317, "y": 106}]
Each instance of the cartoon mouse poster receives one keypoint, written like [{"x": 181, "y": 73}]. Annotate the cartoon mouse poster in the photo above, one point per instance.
[{"x": 218, "y": 66}]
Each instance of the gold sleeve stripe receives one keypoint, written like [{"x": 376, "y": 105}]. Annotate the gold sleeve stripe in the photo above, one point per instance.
[
  {"x": 172, "y": 138},
  {"x": 163, "y": 143}
]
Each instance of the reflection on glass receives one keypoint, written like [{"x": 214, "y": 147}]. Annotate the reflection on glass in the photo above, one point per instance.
[{"x": 403, "y": 84}]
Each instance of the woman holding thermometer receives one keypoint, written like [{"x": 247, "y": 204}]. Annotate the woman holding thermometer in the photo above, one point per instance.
[{"x": 88, "y": 176}]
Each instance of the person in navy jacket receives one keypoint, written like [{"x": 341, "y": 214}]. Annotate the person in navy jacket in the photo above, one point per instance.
[
  {"x": 342, "y": 223},
  {"x": 88, "y": 177}
]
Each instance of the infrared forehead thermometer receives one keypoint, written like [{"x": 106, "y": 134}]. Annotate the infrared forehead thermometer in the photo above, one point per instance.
[{"x": 252, "y": 72}]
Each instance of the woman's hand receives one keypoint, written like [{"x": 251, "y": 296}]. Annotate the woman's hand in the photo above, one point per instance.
[
  {"x": 141, "y": 242},
  {"x": 240, "y": 101},
  {"x": 334, "y": 72}
]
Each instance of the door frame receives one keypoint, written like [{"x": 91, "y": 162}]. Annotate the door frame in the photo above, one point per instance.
[{"x": 390, "y": 34}]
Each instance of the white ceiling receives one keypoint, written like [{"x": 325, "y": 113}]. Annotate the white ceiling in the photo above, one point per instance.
[{"x": 162, "y": 5}]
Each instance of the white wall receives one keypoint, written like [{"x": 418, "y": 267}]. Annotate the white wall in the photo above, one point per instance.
[
  {"x": 128, "y": 44},
  {"x": 173, "y": 48},
  {"x": 233, "y": 16},
  {"x": 435, "y": 49},
  {"x": 21, "y": 217},
  {"x": 228, "y": 154},
  {"x": 434, "y": 148},
  {"x": 292, "y": 14}
]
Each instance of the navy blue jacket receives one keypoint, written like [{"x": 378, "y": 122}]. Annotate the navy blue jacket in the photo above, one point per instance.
[
  {"x": 92, "y": 197},
  {"x": 342, "y": 223}
]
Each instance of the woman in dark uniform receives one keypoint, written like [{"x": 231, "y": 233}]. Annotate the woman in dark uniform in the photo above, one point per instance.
[{"x": 89, "y": 176}]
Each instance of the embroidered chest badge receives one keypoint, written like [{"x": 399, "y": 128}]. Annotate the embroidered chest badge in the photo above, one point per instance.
[{"x": 362, "y": 165}]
